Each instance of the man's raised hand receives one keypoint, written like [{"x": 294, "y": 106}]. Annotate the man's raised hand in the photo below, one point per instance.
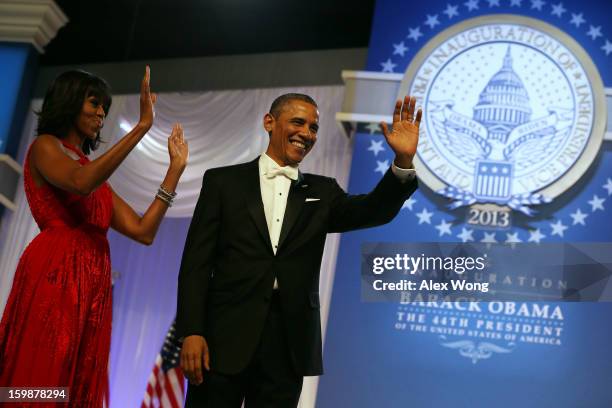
[{"x": 404, "y": 137}]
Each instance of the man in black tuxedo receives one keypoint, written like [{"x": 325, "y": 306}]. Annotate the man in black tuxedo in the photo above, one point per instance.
[{"x": 248, "y": 301}]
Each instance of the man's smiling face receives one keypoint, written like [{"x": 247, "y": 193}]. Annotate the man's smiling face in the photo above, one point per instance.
[{"x": 293, "y": 132}]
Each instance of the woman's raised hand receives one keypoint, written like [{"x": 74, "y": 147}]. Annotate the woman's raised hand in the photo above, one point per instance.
[
  {"x": 178, "y": 148},
  {"x": 147, "y": 101}
]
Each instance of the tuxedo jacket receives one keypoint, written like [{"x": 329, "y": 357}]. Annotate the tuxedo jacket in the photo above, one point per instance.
[{"x": 228, "y": 268}]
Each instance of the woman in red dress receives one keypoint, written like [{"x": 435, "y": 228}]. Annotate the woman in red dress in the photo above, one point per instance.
[{"x": 56, "y": 327}]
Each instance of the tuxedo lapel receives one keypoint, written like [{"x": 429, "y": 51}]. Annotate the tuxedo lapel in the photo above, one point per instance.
[
  {"x": 254, "y": 202},
  {"x": 295, "y": 202}
]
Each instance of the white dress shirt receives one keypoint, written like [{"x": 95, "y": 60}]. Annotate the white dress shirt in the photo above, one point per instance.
[{"x": 275, "y": 181}]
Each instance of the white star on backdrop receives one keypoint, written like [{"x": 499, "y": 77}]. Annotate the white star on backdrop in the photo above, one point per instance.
[
  {"x": 444, "y": 228},
  {"x": 493, "y": 3},
  {"x": 536, "y": 236},
  {"x": 578, "y": 217},
  {"x": 594, "y": 32},
  {"x": 608, "y": 186},
  {"x": 424, "y": 216},
  {"x": 373, "y": 127},
  {"x": 558, "y": 228},
  {"x": 512, "y": 238},
  {"x": 382, "y": 166},
  {"x": 388, "y": 66},
  {"x": 466, "y": 235},
  {"x": 432, "y": 21},
  {"x": 577, "y": 19},
  {"x": 471, "y": 5},
  {"x": 376, "y": 147},
  {"x": 489, "y": 238},
  {"x": 596, "y": 203},
  {"x": 409, "y": 203},
  {"x": 516, "y": 3},
  {"x": 399, "y": 49},
  {"x": 558, "y": 10},
  {"x": 414, "y": 33},
  {"x": 451, "y": 11},
  {"x": 537, "y": 4},
  {"x": 607, "y": 47}
]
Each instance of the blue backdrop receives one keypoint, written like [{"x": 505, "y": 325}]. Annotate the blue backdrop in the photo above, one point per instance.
[{"x": 424, "y": 355}]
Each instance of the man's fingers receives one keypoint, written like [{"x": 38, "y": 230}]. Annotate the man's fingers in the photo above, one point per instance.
[
  {"x": 384, "y": 129},
  {"x": 206, "y": 359},
  {"x": 197, "y": 372},
  {"x": 417, "y": 121},
  {"x": 405, "y": 107},
  {"x": 411, "y": 105},
  {"x": 187, "y": 367},
  {"x": 397, "y": 110}
]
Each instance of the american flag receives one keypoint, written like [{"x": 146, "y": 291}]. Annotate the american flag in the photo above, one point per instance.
[{"x": 166, "y": 387}]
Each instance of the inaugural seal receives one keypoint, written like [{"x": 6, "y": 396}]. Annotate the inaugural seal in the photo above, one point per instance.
[{"x": 514, "y": 114}]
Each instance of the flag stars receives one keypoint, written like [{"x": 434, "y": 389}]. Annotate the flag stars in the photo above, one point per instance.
[
  {"x": 512, "y": 238},
  {"x": 424, "y": 216},
  {"x": 578, "y": 217},
  {"x": 516, "y": 3},
  {"x": 489, "y": 238},
  {"x": 382, "y": 166},
  {"x": 537, "y": 4},
  {"x": 409, "y": 203},
  {"x": 432, "y": 21},
  {"x": 399, "y": 49},
  {"x": 451, "y": 11},
  {"x": 558, "y": 10},
  {"x": 414, "y": 33},
  {"x": 373, "y": 127},
  {"x": 608, "y": 186},
  {"x": 607, "y": 47},
  {"x": 536, "y": 236},
  {"x": 466, "y": 235},
  {"x": 388, "y": 65},
  {"x": 596, "y": 203},
  {"x": 594, "y": 32},
  {"x": 493, "y": 3},
  {"x": 577, "y": 19},
  {"x": 558, "y": 228},
  {"x": 471, "y": 5},
  {"x": 444, "y": 228},
  {"x": 376, "y": 146}
]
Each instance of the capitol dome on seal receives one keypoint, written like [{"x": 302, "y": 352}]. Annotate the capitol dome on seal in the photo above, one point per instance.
[{"x": 503, "y": 104}]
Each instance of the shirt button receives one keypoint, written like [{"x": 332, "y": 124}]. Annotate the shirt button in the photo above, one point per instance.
[
  {"x": 277, "y": 220},
  {"x": 280, "y": 193}
]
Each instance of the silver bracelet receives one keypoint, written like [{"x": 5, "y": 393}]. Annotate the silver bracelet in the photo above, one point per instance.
[
  {"x": 166, "y": 192},
  {"x": 164, "y": 198}
]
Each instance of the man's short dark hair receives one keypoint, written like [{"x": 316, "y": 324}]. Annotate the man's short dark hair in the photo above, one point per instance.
[
  {"x": 64, "y": 101},
  {"x": 280, "y": 102}
]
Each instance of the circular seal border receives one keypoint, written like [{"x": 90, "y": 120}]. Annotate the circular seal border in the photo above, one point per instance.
[{"x": 590, "y": 151}]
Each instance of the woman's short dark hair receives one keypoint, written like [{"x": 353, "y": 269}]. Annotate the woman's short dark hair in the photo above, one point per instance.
[{"x": 64, "y": 101}]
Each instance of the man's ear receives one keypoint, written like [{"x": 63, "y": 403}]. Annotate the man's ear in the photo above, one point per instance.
[{"x": 268, "y": 122}]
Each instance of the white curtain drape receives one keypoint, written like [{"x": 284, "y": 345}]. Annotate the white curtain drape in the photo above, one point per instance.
[{"x": 222, "y": 128}]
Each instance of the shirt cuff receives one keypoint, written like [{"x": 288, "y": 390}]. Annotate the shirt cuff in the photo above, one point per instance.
[{"x": 403, "y": 175}]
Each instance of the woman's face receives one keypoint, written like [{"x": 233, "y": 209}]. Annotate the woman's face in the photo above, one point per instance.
[{"x": 91, "y": 119}]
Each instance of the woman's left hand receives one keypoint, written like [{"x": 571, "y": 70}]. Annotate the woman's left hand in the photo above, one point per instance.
[{"x": 178, "y": 148}]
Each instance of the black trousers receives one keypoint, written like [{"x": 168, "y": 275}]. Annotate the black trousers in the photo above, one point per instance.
[{"x": 269, "y": 381}]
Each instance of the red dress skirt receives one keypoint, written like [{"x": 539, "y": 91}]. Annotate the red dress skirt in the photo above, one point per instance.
[{"x": 56, "y": 327}]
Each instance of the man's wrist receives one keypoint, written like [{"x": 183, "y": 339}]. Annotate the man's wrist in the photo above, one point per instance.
[{"x": 403, "y": 162}]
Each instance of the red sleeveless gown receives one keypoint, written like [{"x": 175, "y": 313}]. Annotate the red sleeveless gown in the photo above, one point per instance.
[{"x": 56, "y": 327}]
